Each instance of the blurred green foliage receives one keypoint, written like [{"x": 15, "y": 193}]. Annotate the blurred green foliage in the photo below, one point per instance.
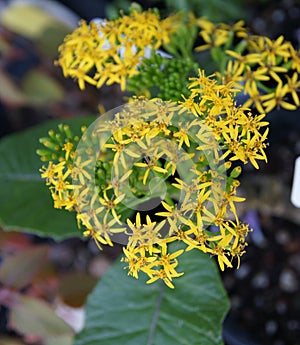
[{"x": 215, "y": 10}]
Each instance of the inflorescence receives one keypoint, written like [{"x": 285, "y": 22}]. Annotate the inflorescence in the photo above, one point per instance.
[
  {"x": 189, "y": 148},
  {"x": 184, "y": 147}
]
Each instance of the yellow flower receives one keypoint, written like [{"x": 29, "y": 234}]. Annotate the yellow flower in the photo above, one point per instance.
[
  {"x": 293, "y": 87},
  {"x": 252, "y": 77},
  {"x": 137, "y": 259},
  {"x": 151, "y": 166},
  {"x": 52, "y": 171},
  {"x": 244, "y": 60},
  {"x": 190, "y": 189},
  {"x": 295, "y": 59},
  {"x": 230, "y": 198},
  {"x": 143, "y": 234},
  {"x": 61, "y": 185},
  {"x": 103, "y": 232},
  {"x": 197, "y": 211},
  {"x": 68, "y": 200},
  {"x": 68, "y": 147},
  {"x": 79, "y": 172},
  {"x": 237, "y": 28},
  {"x": 183, "y": 236},
  {"x": 213, "y": 35},
  {"x": 276, "y": 48},
  {"x": 273, "y": 70},
  {"x": 253, "y": 149},
  {"x": 173, "y": 215},
  {"x": 251, "y": 123},
  {"x": 117, "y": 182},
  {"x": 119, "y": 150},
  {"x": 110, "y": 204},
  {"x": 277, "y": 99},
  {"x": 168, "y": 262},
  {"x": 222, "y": 258},
  {"x": 183, "y": 134},
  {"x": 255, "y": 98},
  {"x": 208, "y": 143},
  {"x": 233, "y": 72},
  {"x": 81, "y": 76}
]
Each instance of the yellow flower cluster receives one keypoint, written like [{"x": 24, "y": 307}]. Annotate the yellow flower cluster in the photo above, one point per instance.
[
  {"x": 58, "y": 179},
  {"x": 156, "y": 173},
  {"x": 172, "y": 152},
  {"x": 216, "y": 35},
  {"x": 108, "y": 52},
  {"x": 236, "y": 130},
  {"x": 266, "y": 70}
]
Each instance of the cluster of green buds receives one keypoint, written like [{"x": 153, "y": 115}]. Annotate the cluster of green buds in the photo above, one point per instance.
[
  {"x": 163, "y": 77},
  {"x": 58, "y": 144}
]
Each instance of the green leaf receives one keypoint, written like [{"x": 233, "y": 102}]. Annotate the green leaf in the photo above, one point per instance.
[
  {"x": 33, "y": 316},
  {"x": 10, "y": 93},
  {"x": 39, "y": 88},
  {"x": 25, "y": 201},
  {"x": 64, "y": 340},
  {"x": 17, "y": 270},
  {"x": 49, "y": 23},
  {"x": 122, "y": 310},
  {"x": 17, "y": 18},
  {"x": 51, "y": 38}
]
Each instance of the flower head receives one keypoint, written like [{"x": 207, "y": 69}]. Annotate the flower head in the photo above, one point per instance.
[{"x": 107, "y": 52}]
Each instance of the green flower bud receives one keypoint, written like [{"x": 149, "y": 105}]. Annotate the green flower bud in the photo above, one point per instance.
[{"x": 236, "y": 172}]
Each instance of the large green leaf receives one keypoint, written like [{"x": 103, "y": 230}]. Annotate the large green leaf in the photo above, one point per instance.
[
  {"x": 122, "y": 310},
  {"x": 25, "y": 201},
  {"x": 29, "y": 315}
]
